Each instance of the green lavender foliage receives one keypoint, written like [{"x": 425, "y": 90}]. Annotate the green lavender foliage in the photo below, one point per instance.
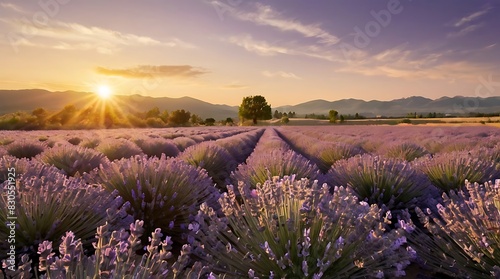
[
  {"x": 75, "y": 140},
  {"x": 118, "y": 149},
  {"x": 293, "y": 229},
  {"x": 448, "y": 171},
  {"x": 390, "y": 182},
  {"x": 327, "y": 153},
  {"x": 462, "y": 236},
  {"x": 25, "y": 149},
  {"x": 91, "y": 143},
  {"x": 48, "y": 206},
  {"x": 164, "y": 192},
  {"x": 215, "y": 159},
  {"x": 73, "y": 160},
  {"x": 405, "y": 151},
  {"x": 157, "y": 147}
]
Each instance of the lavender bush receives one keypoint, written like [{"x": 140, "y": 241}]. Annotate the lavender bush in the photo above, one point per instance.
[
  {"x": 116, "y": 256},
  {"x": 24, "y": 167},
  {"x": 48, "y": 206},
  {"x": 118, "y": 149},
  {"x": 328, "y": 153},
  {"x": 73, "y": 160},
  {"x": 464, "y": 233},
  {"x": 292, "y": 229},
  {"x": 264, "y": 165},
  {"x": 405, "y": 151},
  {"x": 213, "y": 158},
  {"x": 183, "y": 143},
  {"x": 448, "y": 171},
  {"x": 164, "y": 192},
  {"x": 91, "y": 143},
  {"x": 25, "y": 149},
  {"x": 388, "y": 182},
  {"x": 157, "y": 147}
]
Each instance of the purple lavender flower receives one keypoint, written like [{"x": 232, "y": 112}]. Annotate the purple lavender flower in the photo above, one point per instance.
[
  {"x": 391, "y": 182},
  {"x": 271, "y": 233},
  {"x": 46, "y": 207},
  {"x": 461, "y": 234},
  {"x": 73, "y": 160},
  {"x": 214, "y": 159},
  {"x": 161, "y": 191}
]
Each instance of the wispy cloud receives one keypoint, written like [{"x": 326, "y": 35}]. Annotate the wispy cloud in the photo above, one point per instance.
[
  {"x": 234, "y": 86},
  {"x": 13, "y": 7},
  {"x": 265, "y": 15},
  {"x": 464, "y": 31},
  {"x": 465, "y": 24},
  {"x": 265, "y": 48},
  {"x": 281, "y": 74},
  {"x": 259, "y": 47},
  {"x": 149, "y": 71},
  {"x": 471, "y": 17},
  {"x": 400, "y": 62},
  {"x": 70, "y": 36}
]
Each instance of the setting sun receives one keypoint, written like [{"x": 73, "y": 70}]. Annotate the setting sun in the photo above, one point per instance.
[{"x": 104, "y": 92}]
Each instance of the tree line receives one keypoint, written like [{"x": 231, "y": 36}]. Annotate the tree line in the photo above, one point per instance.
[{"x": 70, "y": 117}]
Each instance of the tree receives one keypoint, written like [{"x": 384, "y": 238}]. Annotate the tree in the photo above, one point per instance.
[
  {"x": 179, "y": 117},
  {"x": 255, "y": 108},
  {"x": 64, "y": 116},
  {"x": 210, "y": 121},
  {"x": 164, "y": 116},
  {"x": 195, "y": 119},
  {"x": 342, "y": 118},
  {"x": 228, "y": 122},
  {"x": 153, "y": 113},
  {"x": 333, "y": 114},
  {"x": 41, "y": 116}
]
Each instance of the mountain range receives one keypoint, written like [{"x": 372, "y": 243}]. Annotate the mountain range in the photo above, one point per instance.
[
  {"x": 29, "y": 99},
  {"x": 399, "y": 107}
]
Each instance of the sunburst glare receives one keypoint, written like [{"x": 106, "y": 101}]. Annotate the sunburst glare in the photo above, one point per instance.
[{"x": 104, "y": 92}]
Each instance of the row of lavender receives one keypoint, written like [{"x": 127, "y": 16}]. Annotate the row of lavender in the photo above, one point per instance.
[
  {"x": 475, "y": 155},
  {"x": 164, "y": 192},
  {"x": 83, "y": 151},
  {"x": 285, "y": 228},
  {"x": 381, "y": 140}
]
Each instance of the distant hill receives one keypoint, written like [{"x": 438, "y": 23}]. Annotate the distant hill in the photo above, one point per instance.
[
  {"x": 29, "y": 99},
  {"x": 398, "y": 107}
]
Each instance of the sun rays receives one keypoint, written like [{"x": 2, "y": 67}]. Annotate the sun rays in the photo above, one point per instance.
[{"x": 104, "y": 92}]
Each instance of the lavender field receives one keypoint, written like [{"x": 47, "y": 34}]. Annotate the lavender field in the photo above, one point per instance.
[{"x": 252, "y": 202}]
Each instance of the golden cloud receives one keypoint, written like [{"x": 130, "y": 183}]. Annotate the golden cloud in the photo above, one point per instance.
[{"x": 149, "y": 71}]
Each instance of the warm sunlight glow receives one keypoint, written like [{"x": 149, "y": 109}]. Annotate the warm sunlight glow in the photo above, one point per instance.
[{"x": 104, "y": 91}]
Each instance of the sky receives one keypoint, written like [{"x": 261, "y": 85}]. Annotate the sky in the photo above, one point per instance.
[{"x": 219, "y": 51}]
